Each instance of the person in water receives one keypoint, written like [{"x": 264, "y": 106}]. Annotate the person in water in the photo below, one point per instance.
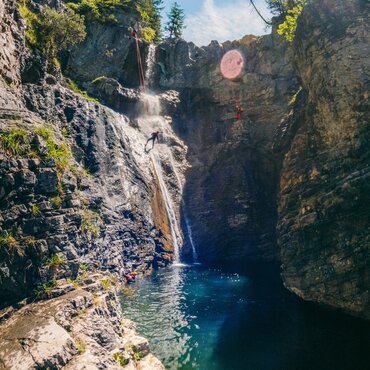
[
  {"x": 154, "y": 137},
  {"x": 239, "y": 111},
  {"x": 130, "y": 277}
]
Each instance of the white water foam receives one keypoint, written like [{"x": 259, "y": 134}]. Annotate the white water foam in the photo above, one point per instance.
[
  {"x": 186, "y": 219},
  {"x": 150, "y": 63},
  {"x": 174, "y": 227}
]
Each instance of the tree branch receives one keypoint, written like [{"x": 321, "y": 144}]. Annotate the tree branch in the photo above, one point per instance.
[{"x": 254, "y": 6}]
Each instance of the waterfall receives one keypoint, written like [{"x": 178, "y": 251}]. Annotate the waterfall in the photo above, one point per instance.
[
  {"x": 190, "y": 236},
  {"x": 175, "y": 231},
  {"x": 186, "y": 219},
  {"x": 150, "y": 62},
  {"x": 150, "y": 122}
]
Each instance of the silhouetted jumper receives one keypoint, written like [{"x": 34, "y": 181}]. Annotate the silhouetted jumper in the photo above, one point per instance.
[{"x": 155, "y": 136}]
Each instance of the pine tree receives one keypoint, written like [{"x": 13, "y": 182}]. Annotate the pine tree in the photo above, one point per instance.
[
  {"x": 156, "y": 19},
  {"x": 176, "y": 21}
]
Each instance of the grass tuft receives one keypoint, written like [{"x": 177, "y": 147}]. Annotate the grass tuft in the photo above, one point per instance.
[
  {"x": 16, "y": 141},
  {"x": 74, "y": 87},
  {"x": 90, "y": 223},
  {"x": 11, "y": 244},
  {"x": 54, "y": 261}
]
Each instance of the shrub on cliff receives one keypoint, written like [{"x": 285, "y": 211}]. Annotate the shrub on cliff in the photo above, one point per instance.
[
  {"x": 60, "y": 30},
  {"x": 287, "y": 13},
  {"x": 105, "y": 11},
  {"x": 150, "y": 13},
  {"x": 100, "y": 10},
  {"x": 289, "y": 26},
  {"x": 52, "y": 31}
]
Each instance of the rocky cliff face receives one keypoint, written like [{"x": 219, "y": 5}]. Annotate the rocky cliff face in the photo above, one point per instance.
[
  {"x": 323, "y": 226},
  {"x": 83, "y": 328},
  {"x": 230, "y": 189},
  {"x": 76, "y": 181},
  {"x": 229, "y": 200}
]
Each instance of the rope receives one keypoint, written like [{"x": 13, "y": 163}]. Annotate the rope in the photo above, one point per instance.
[{"x": 140, "y": 64}]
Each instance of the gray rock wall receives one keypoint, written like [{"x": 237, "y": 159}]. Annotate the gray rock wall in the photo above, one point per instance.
[
  {"x": 104, "y": 207},
  {"x": 230, "y": 192},
  {"x": 324, "y": 226}
]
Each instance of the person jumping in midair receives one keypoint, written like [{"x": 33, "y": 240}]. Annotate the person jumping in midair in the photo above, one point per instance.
[{"x": 154, "y": 137}]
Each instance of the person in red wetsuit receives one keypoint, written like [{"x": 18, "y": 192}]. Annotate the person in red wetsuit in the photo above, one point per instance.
[
  {"x": 239, "y": 111},
  {"x": 130, "y": 277},
  {"x": 134, "y": 33}
]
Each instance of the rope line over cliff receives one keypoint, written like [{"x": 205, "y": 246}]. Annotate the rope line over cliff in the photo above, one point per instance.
[{"x": 139, "y": 62}]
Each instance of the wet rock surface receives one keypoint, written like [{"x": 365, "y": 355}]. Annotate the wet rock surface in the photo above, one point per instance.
[
  {"x": 78, "y": 183},
  {"x": 79, "y": 329}
]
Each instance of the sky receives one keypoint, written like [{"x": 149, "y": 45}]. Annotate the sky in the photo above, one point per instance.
[{"x": 220, "y": 20}]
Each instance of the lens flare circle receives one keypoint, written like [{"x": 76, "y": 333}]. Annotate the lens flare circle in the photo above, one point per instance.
[{"x": 232, "y": 64}]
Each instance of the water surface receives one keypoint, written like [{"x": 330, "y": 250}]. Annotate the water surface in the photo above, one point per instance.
[{"x": 196, "y": 318}]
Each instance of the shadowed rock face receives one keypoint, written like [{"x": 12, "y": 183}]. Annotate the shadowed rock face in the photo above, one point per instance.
[
  {"x": 230, "y": 192},
  {"x": 324, "y": 203}
]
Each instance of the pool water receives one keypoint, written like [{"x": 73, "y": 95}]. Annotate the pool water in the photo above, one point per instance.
[{"x": 198, "y": 318}]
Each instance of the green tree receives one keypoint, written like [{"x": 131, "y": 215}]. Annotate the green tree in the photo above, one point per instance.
[
  {"x": 289, "y": 26},
  {"x": 176, "y": 21},
  {"x": 60, "y": 30},
  {"x": 157, "y": 19},
  {"x": 287, "y": 13},
  {"x": 150, "y": 12}
]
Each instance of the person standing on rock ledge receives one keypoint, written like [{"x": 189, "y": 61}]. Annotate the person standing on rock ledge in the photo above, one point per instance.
[{"x": 154, "y": 136}]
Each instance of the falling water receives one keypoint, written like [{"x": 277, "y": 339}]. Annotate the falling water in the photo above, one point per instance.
[
  {"x": 190, "y": 236},
  {"x": 186, "y": 219},
  {"x": 150, "y": 62},
  {"x": 149, "y": 123},
  {"x": 175, "y": 231}
]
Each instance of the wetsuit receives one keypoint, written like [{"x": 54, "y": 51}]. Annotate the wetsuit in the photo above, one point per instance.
[{"x": 239, "y": 111}]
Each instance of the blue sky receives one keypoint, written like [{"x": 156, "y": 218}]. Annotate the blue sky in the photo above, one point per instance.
[{"x": 221, "y": 20}]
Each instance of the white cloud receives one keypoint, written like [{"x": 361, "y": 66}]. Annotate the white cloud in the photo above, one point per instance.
[{"x": 223, "y": 22}]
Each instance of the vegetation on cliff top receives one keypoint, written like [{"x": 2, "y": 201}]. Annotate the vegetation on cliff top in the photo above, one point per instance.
[
  {"x": 287, "y": 13},
  {"x": 106, "y": 11},
  {"x": 51, "y": 31},
  {"x": 289, "y": 26}
]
